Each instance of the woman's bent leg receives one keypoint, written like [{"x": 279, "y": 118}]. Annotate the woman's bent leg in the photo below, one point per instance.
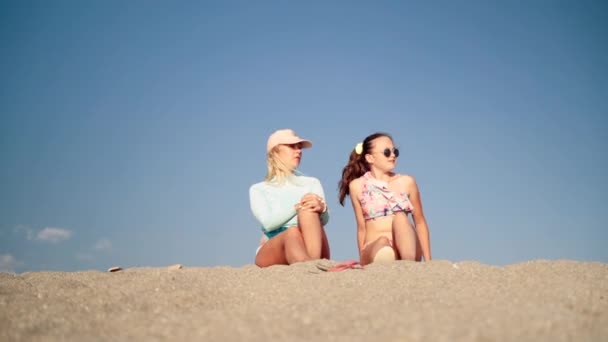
[
  {"x": 325, "y": 254},
  {"x": 404, "y": 236},
  {"x": 312, "y": 232},
  {"x": 284, "y": 249}
]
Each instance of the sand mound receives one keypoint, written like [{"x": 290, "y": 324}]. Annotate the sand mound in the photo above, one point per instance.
[{"x": 398, "y": 301}]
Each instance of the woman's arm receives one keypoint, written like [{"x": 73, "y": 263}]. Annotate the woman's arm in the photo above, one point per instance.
[
  {"x": 354, "y": 189},
  {"x": 272, "y": 214},
  {"x": 422, "y": 228},
  {"x": 317, "y": 189}
]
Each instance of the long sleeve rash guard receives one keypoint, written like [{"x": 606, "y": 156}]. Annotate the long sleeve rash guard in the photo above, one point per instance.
[{"x": 273, "y": 204}]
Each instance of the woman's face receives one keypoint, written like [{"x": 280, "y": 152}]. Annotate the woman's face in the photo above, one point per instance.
[
  {"x": 383, "y": 154},
  {"x": 291, "y": 155}
]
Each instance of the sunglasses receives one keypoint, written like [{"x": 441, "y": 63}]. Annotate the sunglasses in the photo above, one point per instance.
[
  {"x": 387, "y": 152},
  {"x": 294, "y": 146}
]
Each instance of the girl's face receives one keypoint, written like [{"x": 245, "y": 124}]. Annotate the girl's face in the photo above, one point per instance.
[
  {"x": 290, "y": 155},
  {"x": 383, "y": 154}
]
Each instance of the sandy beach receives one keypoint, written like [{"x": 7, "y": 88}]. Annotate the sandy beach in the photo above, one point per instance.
[{"x": 399, "y": 301}]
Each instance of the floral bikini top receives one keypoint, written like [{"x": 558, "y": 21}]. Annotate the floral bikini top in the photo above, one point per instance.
[{"x": 377, "y": 200}]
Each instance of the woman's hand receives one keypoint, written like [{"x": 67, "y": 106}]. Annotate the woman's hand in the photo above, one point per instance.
[{"x": 311, "y": 202}]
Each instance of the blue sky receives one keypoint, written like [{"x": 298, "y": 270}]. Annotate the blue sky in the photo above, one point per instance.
[{"x": 130, "y": 132}]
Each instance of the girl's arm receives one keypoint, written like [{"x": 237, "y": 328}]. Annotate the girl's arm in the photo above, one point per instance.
[
  {"x": 354, "y": 189},
  {"x": 422, "y": 228}
]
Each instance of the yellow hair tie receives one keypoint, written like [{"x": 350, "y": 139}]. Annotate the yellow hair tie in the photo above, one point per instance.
[{"x": 359, "y": 148}]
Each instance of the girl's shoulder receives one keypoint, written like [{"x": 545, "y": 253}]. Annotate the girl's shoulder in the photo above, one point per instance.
[
  {"x": 355, "y": 184},
  {"x": 403, "y": 179}
]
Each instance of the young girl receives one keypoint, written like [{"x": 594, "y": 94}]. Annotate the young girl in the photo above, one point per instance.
[
  {"x": 381, "y": 200},
  {"x": 290, "y": 207}
]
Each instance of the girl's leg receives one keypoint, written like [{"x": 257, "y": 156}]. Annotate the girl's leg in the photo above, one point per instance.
[
  {"x": 284, "y": 249},
  {"x": 377, "y": 250},
  {"x": 418, "y": 249},
  {"x": 404, "y": 236},
  {"x": 312, "y": 232}
]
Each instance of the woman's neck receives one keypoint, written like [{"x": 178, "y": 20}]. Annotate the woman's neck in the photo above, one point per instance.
[
  {"x": 381, "y": 175},
  {"x": 280, "y": 177}
]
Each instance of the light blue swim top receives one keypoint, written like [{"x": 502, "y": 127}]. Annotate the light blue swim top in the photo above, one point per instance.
[{"x": 273, "y": 204}]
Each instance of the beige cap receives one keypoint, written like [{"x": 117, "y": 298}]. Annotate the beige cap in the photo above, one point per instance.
[{"x": 285, "y": 137}]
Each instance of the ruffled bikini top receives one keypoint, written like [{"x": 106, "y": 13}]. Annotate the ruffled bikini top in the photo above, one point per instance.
[{"x": 377, "y": 200}]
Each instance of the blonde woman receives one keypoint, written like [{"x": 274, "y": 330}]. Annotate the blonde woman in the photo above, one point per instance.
[
  {"x": 381, "y": 200},
  {"x": 289, "y": 206}
]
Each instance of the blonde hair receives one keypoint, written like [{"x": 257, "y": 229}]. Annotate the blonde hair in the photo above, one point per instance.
[{"x": 277, "y": 170}]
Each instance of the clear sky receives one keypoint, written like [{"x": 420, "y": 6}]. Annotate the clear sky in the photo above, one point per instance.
[{"x": 130, "y": 131}]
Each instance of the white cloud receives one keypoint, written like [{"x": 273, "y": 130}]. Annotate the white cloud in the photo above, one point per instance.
[
  {"x": 53, "y": 235},
  {"x": 8, "y": 263},
  {"x": 48, "y": 234},
  {"x": 103, "y": 245},
  {"x": 29, "y": 233}
]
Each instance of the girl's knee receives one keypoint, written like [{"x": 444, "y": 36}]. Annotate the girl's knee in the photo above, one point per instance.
[
  {"x": 385, "y": 253},
  {"x": 383, "y": 241}
]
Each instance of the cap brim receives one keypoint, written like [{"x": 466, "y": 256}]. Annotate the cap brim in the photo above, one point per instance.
[{"x": 306, "y": 143}]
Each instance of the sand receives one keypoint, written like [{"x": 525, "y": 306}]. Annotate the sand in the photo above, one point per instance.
[{"x": 399, "y": 301}]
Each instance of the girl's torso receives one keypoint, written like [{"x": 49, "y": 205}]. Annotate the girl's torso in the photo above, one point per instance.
[{"x": 379, "y": 201}]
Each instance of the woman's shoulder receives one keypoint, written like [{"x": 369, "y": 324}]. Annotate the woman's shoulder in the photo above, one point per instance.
[
  {"x": 259, "y": 186},
  {"x": 307, "y": 179}
]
